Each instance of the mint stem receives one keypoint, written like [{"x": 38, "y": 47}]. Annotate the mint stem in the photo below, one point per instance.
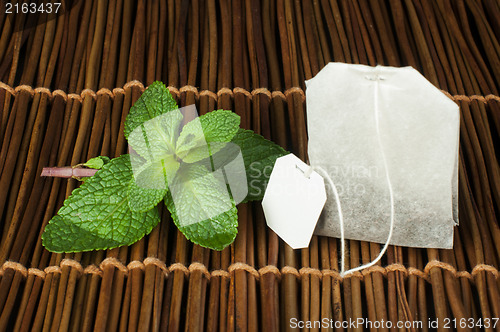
[{"x": 68, "y": 172}]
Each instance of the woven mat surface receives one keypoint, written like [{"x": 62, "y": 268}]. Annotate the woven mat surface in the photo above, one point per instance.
[{"x": 68, "y": 81}]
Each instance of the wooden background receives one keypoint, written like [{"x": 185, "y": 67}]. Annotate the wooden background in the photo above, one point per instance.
[{"x": 67, "y": 83}]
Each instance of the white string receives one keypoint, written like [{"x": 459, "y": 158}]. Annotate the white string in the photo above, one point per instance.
[
  {"x": 384, "y": 159},
  {"x": 343, "y": 273},
  {"x": 341, "y": 217}
]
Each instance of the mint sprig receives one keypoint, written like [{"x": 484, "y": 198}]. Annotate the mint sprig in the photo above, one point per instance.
[
  {"x": 117, "y": 206},
  {"x": 96, "y": 215}
]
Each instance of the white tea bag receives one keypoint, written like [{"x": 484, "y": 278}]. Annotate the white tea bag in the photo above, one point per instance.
[{"x": 388, "y": 139}]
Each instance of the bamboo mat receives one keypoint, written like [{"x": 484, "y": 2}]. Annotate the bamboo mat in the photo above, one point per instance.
[{"x": 68, "y": 83}]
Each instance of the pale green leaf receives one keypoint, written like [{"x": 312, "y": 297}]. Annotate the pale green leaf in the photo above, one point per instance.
[
  {"x": 156, "y": 138},
  {"x": 201, "y": 207},
  {"x": 152, "y": 144},
  {"x": 203, "y": 136},
  {"x": 199, "y": 194},
  {"x": 191, "y": 145},
  {"x": 156, "y": 100},
  {"x": 215, "y": 233},
  {"x": 97, "y": 162}
]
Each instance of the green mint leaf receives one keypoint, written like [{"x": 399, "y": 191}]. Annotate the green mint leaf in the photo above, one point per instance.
[
  {"x": 143, "y": 199},
  {"x": 156, "y": 174},
  {"x": 192, "y": 145},
  {"x": 97, "y": 162},
  {"x": 156, "y": 137},
  {"x": 199, "y": 194},
  {"x": 214, "y": 233},
  {"x": 156, "y": 100},
  {"x": 199, "y": 137},
  {"x": 220, "y": 125},
  {"x": 97, "y": 215},
  {"x": 152, "y": 146},
  {"x": 201, "y": 207},
  {"x": 259, "y": 156}
]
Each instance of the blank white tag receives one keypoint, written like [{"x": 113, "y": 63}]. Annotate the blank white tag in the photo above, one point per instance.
[{"x": 293, "y": 201}]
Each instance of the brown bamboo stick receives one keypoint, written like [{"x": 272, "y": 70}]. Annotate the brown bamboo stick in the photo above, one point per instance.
[
  {"x": 68, "y": 282},
  {"x": 149, "y": 282},
  {"x": 107, "y": 296},
  {"x": 123, "y": 325},
  {"x": 357, "y": 310},
  {"x": 178, "y": 283},
  {"x": 371, "y": 48},
  {"x": 337, "y": 312},
  {"x": 422, "y": 296},
  {"x": 33, "y": 215},
  {"x": 379, "y": 288},
  {"x": 369, "y": 287},
  {"x": 44, "y": 300},
  {"x": 117, "y": 293},
  {"x": 406, "y": 315},
  {"x": 254, "y": 323},
  {"x": 392, "y": 302}
]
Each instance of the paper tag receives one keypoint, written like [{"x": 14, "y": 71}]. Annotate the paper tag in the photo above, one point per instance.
[{"x": 293, "y": 201}]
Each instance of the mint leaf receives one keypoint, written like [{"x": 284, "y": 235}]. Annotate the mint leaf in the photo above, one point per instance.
[
  {"x": 156, "y": 137},
  {"x": 97, "y": 162},
  {"x": 155, "y": 175},
  {"x": 152, "y": 150},
  {"x": 200, "y": 137},
  {"x": 214, "y": 233},
  {"x": 259, "y": 156},
  {"x": 199, "y": 194},
  {"x": 97, "y": 215},
  {"x": 201, "y": 207},
  {"x": 220, "y": 125},
  {"x": 192, "y": 145},
  {"x": 143, "y": 199},
  {"x": 156, "y": 100}
]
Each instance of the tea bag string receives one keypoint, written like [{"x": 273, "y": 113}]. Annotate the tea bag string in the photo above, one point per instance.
[
  {"x": 343, "y": 273},
  {"x": 377, "y": 79},
  {"x": 319, "y": 169}
]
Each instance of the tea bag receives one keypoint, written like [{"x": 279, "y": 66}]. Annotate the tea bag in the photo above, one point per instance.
[{"x": 388, "y": 139}]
